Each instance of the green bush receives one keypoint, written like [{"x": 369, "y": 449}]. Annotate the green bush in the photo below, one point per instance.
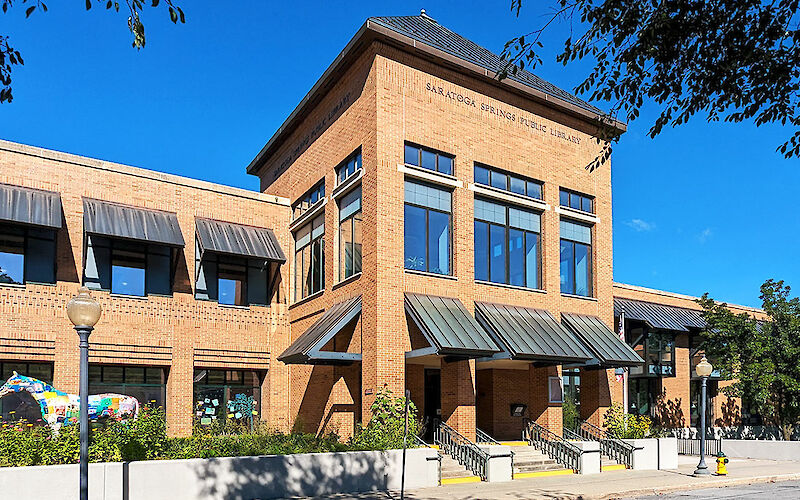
[
  {"x": 626, "y": 425},
  {"x": 570, "y": 413},
  {"x": 386, "y": 426},
  {"x": 145, "y": 438}
]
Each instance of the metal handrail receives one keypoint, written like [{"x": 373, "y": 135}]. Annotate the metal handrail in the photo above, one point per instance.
[
  {"x": 483, "y": 437},
  {"x": 463, "y": 450},
  {"x": 610, "y": 445},
  {"x": 552, "y": 445},
  {"x": 568, "y": 434}
]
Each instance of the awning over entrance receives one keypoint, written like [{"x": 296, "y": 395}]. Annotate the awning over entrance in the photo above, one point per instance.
[
  {"x": 30, "y": 206},
  {"x": 448, "y": 327},
  {"x": 678, "y": 319},
  {"x": 104, "y": 218},
  {"x": 606, "y": 346},
  {"x": 237, "y": 239},
  {"x": 307, "y": 349},
  {"x": 530, "y": 334}
]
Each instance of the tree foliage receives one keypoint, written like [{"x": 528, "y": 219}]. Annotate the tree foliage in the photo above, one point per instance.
[
  {"x": 730, "y": 60},
  {"x": 10, "y": 57},
  {"x": 761, "y": 357}
]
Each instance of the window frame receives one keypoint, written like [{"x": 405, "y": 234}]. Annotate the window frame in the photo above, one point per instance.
[
  {"x": 351, "y": 219},
  {"x": 235, "y": 260},
  {"x": 125, "y": 384},
  {"x": 24, "y": 231},
  {"x": 427, "y": 230},
  {"x": 574, "y": 263},
  {"x": 570, "y": 193},
  {"x": 144, "y": 248},
  {"x": 318, "y": 189},
  {"x": 507, "y": 227},
  {"x": 436, "y": 152},
  {"x": 297, "y": 251},
  {"x": 342, "y": 166},
  {"x": 493, "y": 170}
]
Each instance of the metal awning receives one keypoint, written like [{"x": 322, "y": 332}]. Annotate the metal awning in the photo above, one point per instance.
[
  {"x": 238, "y": 239},
  {"x": 448, "y": 327},
  {"x": 30, "y": 206},
  {"x": 105, "y": 218},
  {"x": 307, "y": 348},
  {"x": 530, "y": 334},
  {"x": 678, "y": 319},
  {"x": 606, "y": 346}
]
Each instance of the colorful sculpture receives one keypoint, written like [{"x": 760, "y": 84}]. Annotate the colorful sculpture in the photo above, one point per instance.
[{"x": 59, "y": 408}]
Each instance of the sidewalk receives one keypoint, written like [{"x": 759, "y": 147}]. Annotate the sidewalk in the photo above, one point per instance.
[{"x": 607, "y": 485}]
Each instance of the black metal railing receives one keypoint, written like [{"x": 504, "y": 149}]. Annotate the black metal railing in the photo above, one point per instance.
[
  {"x": 483, "y": 437},
  {"x": 610, "y": 445},
  {"x": 552, "y": 445},
  {"x": 568, "y": 434},
  {"x": 462, "y": 450},
  {"x": 692, "y": 446}
]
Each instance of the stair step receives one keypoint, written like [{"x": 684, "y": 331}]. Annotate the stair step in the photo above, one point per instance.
[{"x": 543, "y": 473}]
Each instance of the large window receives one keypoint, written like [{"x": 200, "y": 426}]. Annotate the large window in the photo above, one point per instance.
[
  {"x": 21, "y": 405},
  {"x": 309, "y": 258},
  {"x": 642, "y": 395},
  {"x": 233, "y": 280},
  {"x": 348, "y": 167},
  {"x": 350, "y": 234},
  {"x": 489, "y": 176},
  {"x": 507, "y": 246},
  {"x": 147, "y": 384},
  {"x": 27, "y": 255},
  {"x": 306, "y": 201},
  {"x": 226, "y": 394},
  {"x": 577, "y": 201},
  {"x": 427, "y": 228},
  {"x": 576, "y": 258},
  {"x": 428, "y": 158},
  {"x": 660, "y": 354},
  {"x": 127, "y": 267},
  {"x": 712, "y": 388}
]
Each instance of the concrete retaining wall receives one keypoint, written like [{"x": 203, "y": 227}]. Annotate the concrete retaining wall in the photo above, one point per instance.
[
  {"x": 767, "y": 450},
  {"x": 654, "y": 453},
  {"x": 274, "y": 476}
]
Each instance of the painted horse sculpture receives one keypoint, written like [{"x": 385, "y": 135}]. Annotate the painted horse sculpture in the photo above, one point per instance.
[{"x": 59, "y": 408}]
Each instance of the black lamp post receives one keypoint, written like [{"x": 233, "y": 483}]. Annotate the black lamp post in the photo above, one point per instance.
[
  {"x": 84, "y": 313},
  {"x": 703, "y": 370}
]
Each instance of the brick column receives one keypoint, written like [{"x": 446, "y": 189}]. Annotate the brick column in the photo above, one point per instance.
[
  {"x": 599, "y": 389},
  {"x": 458, "y": 396},
  {"x": 548, "y": 415},
  {"x": 180, "y": 385}
]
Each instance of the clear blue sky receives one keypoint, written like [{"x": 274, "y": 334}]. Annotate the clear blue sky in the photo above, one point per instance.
[{"x": 706, "y": 207}]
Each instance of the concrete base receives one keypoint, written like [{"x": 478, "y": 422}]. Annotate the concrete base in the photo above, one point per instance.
[
  {"x": 499, "y": 467},
  {"x": 766, "y": 450},
  {"x": 274, "y": 476},
  {"x": 654, "y": 454},
  {"x": 590, "y": 458}
]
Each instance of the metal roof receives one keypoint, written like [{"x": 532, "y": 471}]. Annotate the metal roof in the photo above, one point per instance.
[
  {"x": 530, "y": 334},
  {"x": 132, "y": 223},
  {"x": 679, "y": 319},
  {"x": 601, "y": 341},
  {"x": 426, "y": 30},
  {"x": 449, "y": 327},
  {"x": 237, "y": 239},
  {"x": 35, "y": 207},
  {"x": 307, "y": 348}
]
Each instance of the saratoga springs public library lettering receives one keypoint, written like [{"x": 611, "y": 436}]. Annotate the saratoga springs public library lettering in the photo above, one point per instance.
[{"x": 421, "y": 226}]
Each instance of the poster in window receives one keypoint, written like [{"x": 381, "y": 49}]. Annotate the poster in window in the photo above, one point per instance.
[{"x": 556, "y": 389}]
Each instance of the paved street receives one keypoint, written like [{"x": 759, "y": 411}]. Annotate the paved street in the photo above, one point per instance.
[
  {"x": 784, "y": 490},
  {"x": 627, "y": 484}
]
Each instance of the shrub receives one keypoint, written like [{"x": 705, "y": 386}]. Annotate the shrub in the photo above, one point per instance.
[
  {"x": 385, "y": 429},
  {"x": 625, "y": 425},
  {"x": 570, "y": 414}
]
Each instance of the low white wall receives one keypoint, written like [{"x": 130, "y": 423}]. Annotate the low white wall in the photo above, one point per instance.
[
  {"x": 590, "y": 458},
  {"x": 767, "y": 450},
  {"x": 499, "y": 467},
  {"x": 274, "y": 476},
  {"x": 652, "y": 453}
]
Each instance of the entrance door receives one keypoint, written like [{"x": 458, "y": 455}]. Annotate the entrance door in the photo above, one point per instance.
[{"x": 433, "y": 402}]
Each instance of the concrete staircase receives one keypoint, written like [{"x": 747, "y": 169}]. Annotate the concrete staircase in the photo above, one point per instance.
[
  {"x": 530, "y": 462},
  {"x": 454, "y": 473},
  {"x": 607, "y": 464}
]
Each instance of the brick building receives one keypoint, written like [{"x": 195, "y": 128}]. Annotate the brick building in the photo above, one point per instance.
[{"x": 422, "y": 226}]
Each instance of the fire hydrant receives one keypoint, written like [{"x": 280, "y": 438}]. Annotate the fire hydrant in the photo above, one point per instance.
[{"x": 722, "y": 460}]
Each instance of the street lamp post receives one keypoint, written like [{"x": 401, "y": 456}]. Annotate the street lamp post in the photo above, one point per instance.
[
  {"x": 84, "y": 313},
  {"x": 703, "y": 370}
]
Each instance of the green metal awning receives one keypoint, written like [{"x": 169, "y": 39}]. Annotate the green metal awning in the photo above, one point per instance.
[
  {"x": 530, "y": 334},
  {"x": 448, "y": 327},
  {"x": 307, "y": 348},
  {"x": 605, "y": 345}
]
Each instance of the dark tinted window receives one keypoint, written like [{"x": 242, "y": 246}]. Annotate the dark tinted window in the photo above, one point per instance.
[
  {"x": 27, "y": 254},
  {"x": 577, "y": 201},
  {"x": 427, "y": 228},
  {"x": 516, "y": 184},
  {"x": 312, "y": 196},
  {"x": 428, "y": 158},
  {"x": 349, "y": 167}
]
